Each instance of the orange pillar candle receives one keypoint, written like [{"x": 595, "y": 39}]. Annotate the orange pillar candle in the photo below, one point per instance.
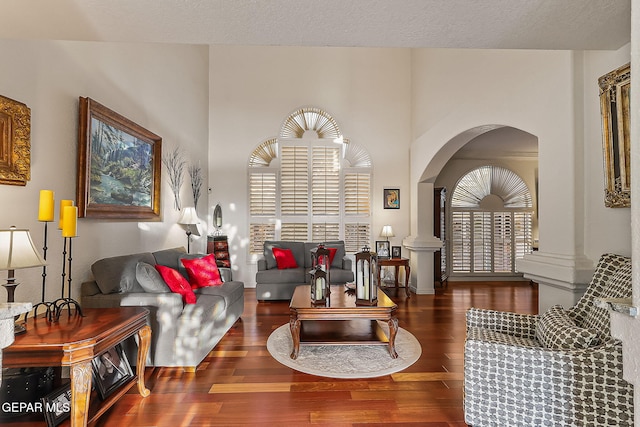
[
  {"x": 45, "y": 208},
  {"x": 70, "y": 221},
  {"x": 63, "y": 204}
]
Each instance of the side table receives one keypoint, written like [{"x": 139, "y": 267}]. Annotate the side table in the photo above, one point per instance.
[
  {"x": 397, "y": 263},
  {"x": 75, "y": 341}
]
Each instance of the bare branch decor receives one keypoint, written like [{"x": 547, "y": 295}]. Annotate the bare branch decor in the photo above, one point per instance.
[
  {"x": 175, "y": 164},
  {"x": 195, "y": 172}
]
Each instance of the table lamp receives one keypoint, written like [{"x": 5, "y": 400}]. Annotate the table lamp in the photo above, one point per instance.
[
  {"x": 189, "y": 217},
  {"x": 387, "y": 232},
  {"x": 17, "y": 251}
]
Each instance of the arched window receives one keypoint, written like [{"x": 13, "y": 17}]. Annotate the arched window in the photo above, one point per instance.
[
  {"x": 310, "y": 184},
  {"x": 491, "y": 221}
]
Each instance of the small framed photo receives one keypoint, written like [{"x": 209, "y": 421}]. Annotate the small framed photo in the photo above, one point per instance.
[
  {"x": 383, "y": 249},
  {"x": 396, "y": 251},
  {"x": 111, "y": 369},
  {"x": 57, "y": 405},
  {"x": 391, "y": 198}
]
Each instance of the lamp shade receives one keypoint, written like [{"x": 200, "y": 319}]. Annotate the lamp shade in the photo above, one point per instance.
[
  {"x": 387, "y": 231},
  {"x": 189, "y": 216},
  {"x": 17, "y": 250}
]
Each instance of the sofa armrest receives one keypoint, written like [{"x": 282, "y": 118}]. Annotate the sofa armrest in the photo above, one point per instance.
[
  {"x": 346, "y": 263},
  {"x": 521, "y": 325},
  {"x": 226, "y": 274},
  {"x": 262, "y": 264}
]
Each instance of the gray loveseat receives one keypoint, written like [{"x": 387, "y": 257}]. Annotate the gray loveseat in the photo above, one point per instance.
[
  {"x": 181, "y": 334},
  {"x": 275, "y": 284}
]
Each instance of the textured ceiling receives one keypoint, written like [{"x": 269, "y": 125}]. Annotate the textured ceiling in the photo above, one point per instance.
[{"x": 501, "y": 24}]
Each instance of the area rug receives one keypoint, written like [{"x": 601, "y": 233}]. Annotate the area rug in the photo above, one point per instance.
[{"x": 344, "y": 361}]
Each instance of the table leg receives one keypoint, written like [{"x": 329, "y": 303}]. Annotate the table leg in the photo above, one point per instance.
[
  {"x": 294, "y": 325},
  {"x": 393, "y": 331},
  {"x": 407, "y": 275},
  {"x": 144, "y": 339},
  {"x": 80, "y": 392},
  {"x": 395, "y": 277}
]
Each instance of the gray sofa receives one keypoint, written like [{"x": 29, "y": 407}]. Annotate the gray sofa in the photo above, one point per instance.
[
  {"x": 181, "y": 334},
  {"x": 275, "y": 284}
]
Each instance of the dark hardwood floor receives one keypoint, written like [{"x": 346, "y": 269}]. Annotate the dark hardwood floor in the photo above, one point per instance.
[{"x": 239, "y": 383}]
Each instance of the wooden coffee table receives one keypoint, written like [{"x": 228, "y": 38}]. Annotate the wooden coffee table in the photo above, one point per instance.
[{"x": 340, "y": 321}]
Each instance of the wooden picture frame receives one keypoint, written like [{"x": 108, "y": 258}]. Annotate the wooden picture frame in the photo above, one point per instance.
[
  {"x": 111, "y": 370},
  {"x": 391, "y": 198},
  {"x": 396, "y": 251},
  {"x": 15, "y": 142},
  {"x": 56, "y": 405},
  {"x": 383, "y": 248},
  {"x": 119, "y": 166},
  {"x": 615, "y": 88}
]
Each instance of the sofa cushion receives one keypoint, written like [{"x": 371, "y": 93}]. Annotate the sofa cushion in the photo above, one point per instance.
[
  {"x": 150, "y": 279},
  {"x": 118, "y": 274},
  {"x": 290, "y": 275},
  {"x": 336, "y": 275},
  {"x": 284, "y": 258},
  {"x": 336, "y": 258},
  {"x": 170, "y": 257},
  {"x": 229, "y": 291},
  {"x": 177, "y": 283},
  {"x": 556, "y": 330},
  {"x": 296, "y": 247},
  {"x": 202, "y": 272}
]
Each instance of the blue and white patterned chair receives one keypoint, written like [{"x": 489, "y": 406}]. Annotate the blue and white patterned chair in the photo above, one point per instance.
[{"x": 560, "y": 368}]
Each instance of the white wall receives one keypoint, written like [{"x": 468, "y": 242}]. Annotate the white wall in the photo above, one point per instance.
[
  {"x": 163, "y": 88},
  {"x": 253, "y": 90}
]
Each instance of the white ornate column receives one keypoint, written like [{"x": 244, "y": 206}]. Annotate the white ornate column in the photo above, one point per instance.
[
  {"x": 422, "y": 243},
  {"x": 7, "y": 313}
]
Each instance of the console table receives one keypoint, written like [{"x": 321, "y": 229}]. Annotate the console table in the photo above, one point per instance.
[
  {"x": 397, "y": 263},
  {"x": 74, "y": 341}
]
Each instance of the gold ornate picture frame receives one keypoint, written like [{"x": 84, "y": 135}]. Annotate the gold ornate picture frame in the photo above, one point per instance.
[
  {"x": 15, "y": 142},
  {"x": 616, "y": 137}
]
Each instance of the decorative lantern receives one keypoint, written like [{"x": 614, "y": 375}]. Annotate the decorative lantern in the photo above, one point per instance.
[
  {"x": 320, "y": 258},
  {"x": 366, "y": 278},
  {"x": 319, "y": 286}
]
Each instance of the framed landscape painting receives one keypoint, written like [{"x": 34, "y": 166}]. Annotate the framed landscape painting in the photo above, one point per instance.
[{"x": 119, "y": 166}]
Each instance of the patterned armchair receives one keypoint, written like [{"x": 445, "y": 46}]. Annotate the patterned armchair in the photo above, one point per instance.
[{"x": 560, "y": 368}]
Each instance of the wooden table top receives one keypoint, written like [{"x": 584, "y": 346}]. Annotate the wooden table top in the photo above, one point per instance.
[
  {"x": 73, "y": 338},
  {"x": 340, "y": 300}
]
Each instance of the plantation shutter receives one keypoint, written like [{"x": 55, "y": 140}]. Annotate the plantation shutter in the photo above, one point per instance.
[
  {"x": 294, "y": 231},
  {"x": 482, "y": 233},
  {"x": 461, "y": 241},
  {"x": 325, "y": 181},
  {"x": 258, "y": 233},
  {"x": 294, "y": 177},
  {"x": 262, "y": 194},
  {"x": 523, "y": 234},
  {"x": 325, "y": 232},
  {"x": 502, "y": 250},
  {"x": 357, "y": 194},
  {"x": 357, "y": 235}
]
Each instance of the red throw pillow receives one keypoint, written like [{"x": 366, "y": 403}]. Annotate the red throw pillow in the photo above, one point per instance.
[
  {"x": 177, "y": 283},
  {"x": 284, "y": 258},
  {"x": 202, "y": 272},
  {"x": 332, "y": 254}
]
